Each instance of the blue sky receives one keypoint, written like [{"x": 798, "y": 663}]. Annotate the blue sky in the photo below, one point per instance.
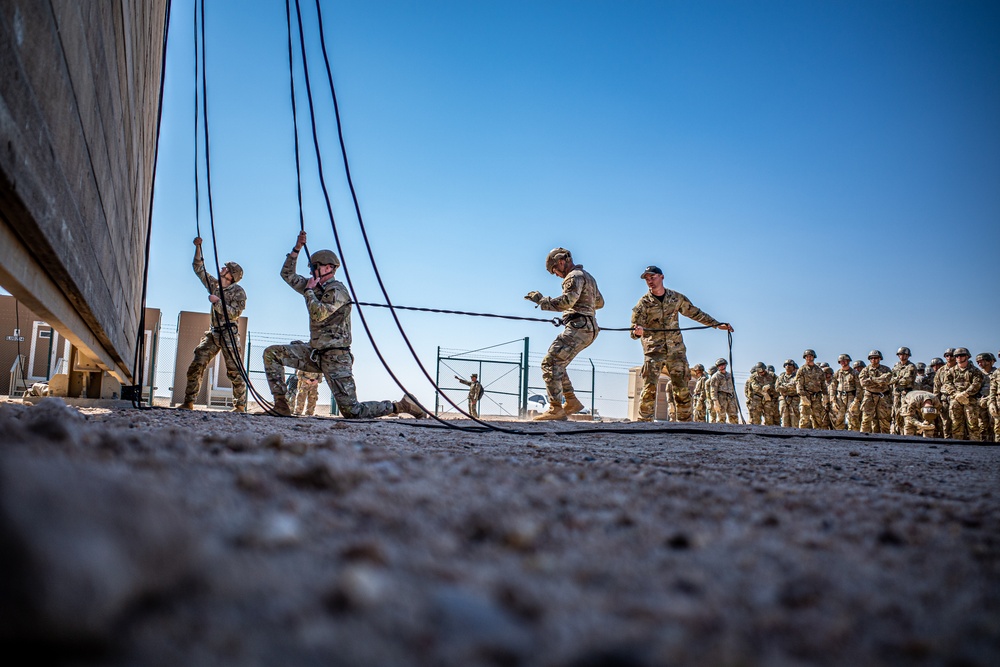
[{"x": 820, "y": 174}]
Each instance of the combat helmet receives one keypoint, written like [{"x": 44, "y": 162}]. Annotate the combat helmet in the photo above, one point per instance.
[
  {"x": 959, "y": 351},
  {"x": 844, "y": 357},
  {"x": 324, "y": 257},
  {"x": 875, "y": 353},
  {"x": 235, "y": 271},
  {"x": 937, "y": 361},
  {"x": 554, "y": 256},
  {"x": 986, "y": 356},
  {"x": 809, "y": 353},
  {"x": 950, "y": 352},
  {"x": 790, "y": 362},
  {"x": 770, "y": 368},
  {"x": 903, "y": 350},
  {"x": 858, "y": 364},
  {"x": 921, "y": 366},
  {"x": 759, "y": 366},
  {"x": 721, "y": 362},
  {"x": 698, "y": 367}
]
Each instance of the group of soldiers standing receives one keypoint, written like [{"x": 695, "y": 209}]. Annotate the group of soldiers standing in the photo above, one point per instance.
[{"x": 951, "y": 398}]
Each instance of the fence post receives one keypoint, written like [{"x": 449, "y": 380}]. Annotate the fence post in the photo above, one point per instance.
[
  {"x": 524, "y": 382},
  {"x": 593, "y": 387},
  {"x": 437, "y": 381}
]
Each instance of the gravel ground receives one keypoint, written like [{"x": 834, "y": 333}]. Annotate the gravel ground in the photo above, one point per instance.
[{"x": 166, "y": 537}]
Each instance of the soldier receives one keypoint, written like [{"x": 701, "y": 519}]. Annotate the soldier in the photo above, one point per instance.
[
  {"x": 829, "y": 396},
  {"x": 713, "y": 414},
  {"x": 810, "y": 385},
  {"x": 700, "y": 392},
  {"x": 921, "y": 412},
  {"x": 788, "y": 395},
  {"x": 920, "y": 380},
  {"x": 994, "y": 402},
  {"x": 475, "y": 393},
  {"x": 772, "y": 415},
  {"x": 903, "y": 374},
  {"x": 307, "y": 392},
  {"x": 579, "y": 302},
  {"x": 655, "y": 321},
  {"x": 876, "y": 409},
  {"x": 723, "y": 393},
  {"x": 985, "y": 360},
  {"x": 223, "y": 335},
  {"x": 962, "y": 386},
  {"x": 932, "y": 368},
  {"x": 940, "y": 380},
  {"x": 854, "y": 411},
  {"x": 329, "y": 348},
  {"x": 670, "y": 399},
  {"x": 846, "y": 388},
  {"x": 759, "y": 393},
  {"x": 292, "y": 387}
]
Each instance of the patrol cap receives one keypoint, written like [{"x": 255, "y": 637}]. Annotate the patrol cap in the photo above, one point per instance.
[
  {"x": 235, "y": 271},
  {"x": 962, "y": 351},
  {"x": 809, "y": 353},
  {"x": 326, "y": 258},
  {"x": 874, "y": 353},
  {"x": 937, "y": 361},
  {"x": 721, "y": 362},
  {"x": 650, "y": 269},
  {"x": 903, "y": 350}
]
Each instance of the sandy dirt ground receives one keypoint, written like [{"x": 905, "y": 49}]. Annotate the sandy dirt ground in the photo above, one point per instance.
[{"x": 165, "y": 537}]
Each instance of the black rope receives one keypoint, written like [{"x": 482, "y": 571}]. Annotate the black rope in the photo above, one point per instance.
[{"x": 138, "y": 365}]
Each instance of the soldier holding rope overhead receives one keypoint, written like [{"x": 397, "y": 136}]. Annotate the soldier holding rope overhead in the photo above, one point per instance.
[
  {"x": 329, "y": 348},
  {"x": 217, "y": 338}
]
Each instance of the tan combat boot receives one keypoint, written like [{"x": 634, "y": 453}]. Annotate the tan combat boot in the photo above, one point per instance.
[
  {"x": 186, "y": 405},
  {"x": 281, "y": 406},
  {"x": 554, "y": 413},
  {"x": 408, "y": 405},
  {"x": 240, "y": 408},
  {"x": 572, "y": 404}
]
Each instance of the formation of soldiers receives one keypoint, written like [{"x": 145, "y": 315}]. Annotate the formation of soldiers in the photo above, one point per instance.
[{"x": 949, "y": 398}]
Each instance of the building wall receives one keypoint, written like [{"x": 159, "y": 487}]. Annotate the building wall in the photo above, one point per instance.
[{"x": 79, "y": 106}]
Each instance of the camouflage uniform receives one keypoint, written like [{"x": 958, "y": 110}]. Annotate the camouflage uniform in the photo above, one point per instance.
[
  {"x": 846, "y": 388},
  {"x": 993, "y": 402},
  {"x": 579, "y": 302},
  {"x": 217, "y": 338},
  {"x": 789, "y": 399},
  {"x": 986, "y": 421},
  {"x": 903, "y": 376},
  {"x": 759, "y": 394},
  {"x": 699, "y": 398},
  {"x": 876, "y": 410},
  {"x": 665, "y": 349},
  {"x": 810, "y": 384},
  {"x": 475, "y": 393},
  {"x": 940, "y": 381},
  {"x": 962, "y": 387},
  {"x": 307, "y": 392},
  {"x": 713, "y": 414},
  {"x": 772, "y": 416},
  {"x": 329, "y": 348},
  {"x": 914, "y": 422},
  {"x": 723, "y": 394}
]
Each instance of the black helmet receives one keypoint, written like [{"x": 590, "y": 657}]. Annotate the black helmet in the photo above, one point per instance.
[{"x": 809, "y": 353}]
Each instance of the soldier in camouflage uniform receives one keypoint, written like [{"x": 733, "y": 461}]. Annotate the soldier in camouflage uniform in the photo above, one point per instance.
[
  {"x": 904, "y": 372},
  {"x": 579, "y": 302},
  {"x": 713, "y": 414},
  {"x": 932, "y": 368},
  {"x": 329, "y": 348},
  {"x": 876, "y": 408},
  {"x": 759, "y": 394},
  {"x": 223, "y": 336},
  {"x": 700, "y": 393},
  {"x": 723, "y": 393},
  {"x": 655, "y": 322},
  {"x": 845, "y": 387},
  {"x": 921, "y": 412},
  {"x": 810, "y": 385},
  {"x": 788, "y": 395},
  {"x": 985, "y": 361},
  {"x": 475, "y": 393},
  {"x": 772, "y": 414},
  {"x": 993, "y": 402},
  {"x": 920, "y": 379},
  {"x": 940, "y": 380},
  {"x": 962, "y": 387},
  {"x": 307, "y": 392},
  {"x": 854, "y": 410}
]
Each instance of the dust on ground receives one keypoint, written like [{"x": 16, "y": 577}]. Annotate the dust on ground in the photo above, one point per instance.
[{"x": 167, "y": 537}]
